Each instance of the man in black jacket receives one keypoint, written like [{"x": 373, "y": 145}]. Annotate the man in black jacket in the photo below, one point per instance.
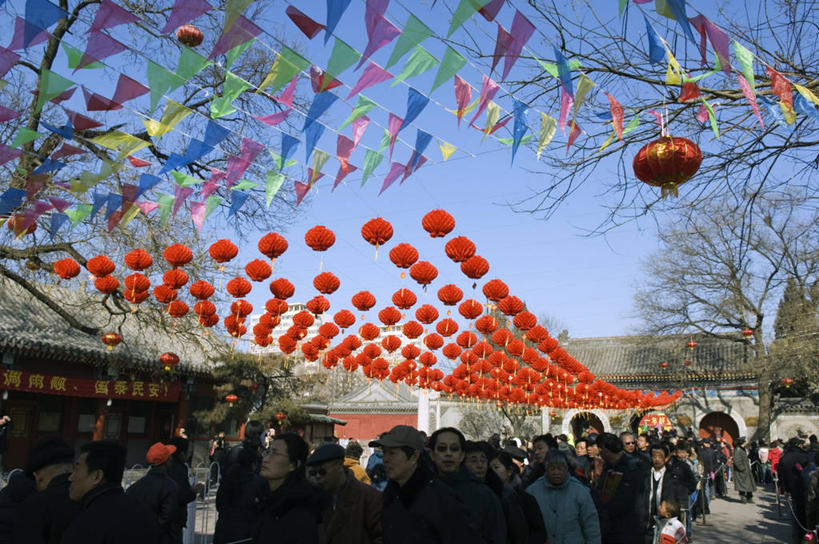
[
  {"x": 794, "y": 459},
  {"x": 185, "y": 493},
  {"x": 157, "y": 491},
  {"x": 618, "y": 491},
  {"x": 418, "y": 507},
  {"x": 668, "y": 480},
  {"x": 44, "y": 516},
  {"x": 107, "y": 515}
]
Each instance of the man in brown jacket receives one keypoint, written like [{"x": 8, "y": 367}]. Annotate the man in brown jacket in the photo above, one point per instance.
[{"x": 354, "y": 512}]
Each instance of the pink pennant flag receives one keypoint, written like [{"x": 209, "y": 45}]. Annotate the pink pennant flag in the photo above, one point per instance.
[
  {"x": 146, "y": 207},
  {"x": 320, "y": 81},
  {"x": 359, "y": 127},
  {"x": 372, "y": 75},
  {"x": 308, "y": 26},
  {"x": 29, "y": 218},
  {"x": 698, "y": 23},
  {"x": 114, "y": 219},
  {"x": 720, "y": 42},
  {"x": 181, "y": 194},
  {"x": 286, "y": 98},
  {"x": 34, "y": 184},
  {"x": 312, "y": 177},
  {"x": 212, "y": 184},
  {"x": 66, "y": 151},
  {"x": 8, "y": 59},
  {"x": 19, "y": 33},
  {"x": 185, "y": 11},
  {"x": 702, "y": 114},
  {"x": 136, "y": 162},
  {"x": 130, "y": 193},
  {"x": 502, "y": 43},
  {"x": 396, "y": 170},
  {"x": 408, "y": 167},
  {"x": 488, "y": 90},
  {"x": 7, "y": 114},
  {"x": 689, "y": 91},
  {"x": 242, "y": 31},
  {"x": 128, "y": 89},
  {"x": 96, "y": 102},
  {"x": 344, "y": 148},
  {"x": 343, "y": 173},
  {"x": 491, "y": 9},
  {"x": 274, "y": 119},
  {"x": 566, "y": 103},
  {"x": 301, "y": 191},
  {"x": 40, "y": 207},
  {"x": 110, "y": 15},
  {"x": 463, "y": 94},
  {"x": 616, "y": 116},
  {"x": 100, "y": 46},
  {"x": 375, "y": 10},
  {"x": 659, "y": 116},
  {"x": 235, "y": 169},
  {"x": 750, "y": 97},
  {"x": 8, "y": 153},
  {"x": 80, "y": 121},
  {"x": 521, "y": 30},
  {"x": 62, "y": 97},
  {"x": 393, "y": 126},
  {"x": 59, "y": 203},
  {"x": 573, "y": 134},
  {"x": 198, "y": 210},
  {"x": 250, "y": 150},
  {"x": 383, "y": 33}
]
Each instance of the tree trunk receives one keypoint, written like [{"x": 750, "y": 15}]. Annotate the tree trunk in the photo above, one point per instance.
[{"x": 763, "y": 429}]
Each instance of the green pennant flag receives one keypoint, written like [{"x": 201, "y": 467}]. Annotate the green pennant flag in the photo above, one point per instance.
[
  {"x": 278, "y": 160},
  {"x": 371, "y": 162},
  {"x": 165, "y": 202},
  {"x": 463, "y": 12},
  {"x": 551, "y": 68},
  {"x": 451, "y": 64},
  {"x": 342, "y": 57},
  {"x": 51, "y": 86},
  {"x": 25, "y": 135},
  {"x": 287, "y": 65},
  {"x": 161, "y": 81},
  {"x": 234, "y": 53},
  {"x": 414, "y": 32},
  {"x": 746, "y": 62},
  {"x": 509, "y": 141},
  {"x": 273, "y": 182},
  {"x": 632, "y": 125},
  {"x": 711, "y": 117},
  {"x": 184, "y": 180},
  {"x": 385, "y": 141},
  {"x": 420, "y": 61},
  {"x": 320, "y": 158},
  {"x": 623, "y": 5},
  {"x": 83, "y": 183},
  {"x": 210, "y": 204},
  {"x": 363, "y": 106},
  {"x": 234, "y": 86},
  {"x": 190, "y": 64},
  {"x": 233, "y": 10},
  {"x": 243, "y": 184},
  {"x": 79, "y": 213},
  {"x": 75, "y": 57}
]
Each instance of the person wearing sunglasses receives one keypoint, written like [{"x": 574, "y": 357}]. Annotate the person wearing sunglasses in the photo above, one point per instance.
[{"x": 353, "y": 513}]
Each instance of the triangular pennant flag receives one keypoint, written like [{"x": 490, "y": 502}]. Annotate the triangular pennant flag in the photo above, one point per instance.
[
  {"x": 450, "y": 65},
  {"x": 463, "y": 94},
  {"x": 11, "y": 199},
  {"x": 185, "y": 11},
  {"x": 584, "y": 85},
  {"x": 25, "y": 135},
  {"x": 242, "y": 185},
  {"x": 21, "y": 27},
  {"x": 335, "y": 9},
  {"x": 110, "y": 15},
  {"x": 136, "y": 162},
  {"x": 520, "y": 127},
  {"x": 656, "y": 52},
  {"x": 48, "y": 166},
  {"x": 362, "y": 107},
  {"x": 781, "y": 87},
  {"x": 393, "y": 127},
  {"x": 67, "y": 150},
  {"x": 344, "y": 148},
  {"x": 288, "y": 147},
  {"x": 342, "y": 57},
  {"x": 416, "y": 102},
  {"x": 616, "y": 116},
  {"x": 320, "y": 158},
  {"x": 308, "y": 26},
  {"x": 8, "y": 59},
  {"x": 51, "y": 85},
  {"x": 321, "y": 103},
  {"x": 273, "y": 182},
  {"x": 372, "y": 75},
  {"x": 57, "y": 222},
  {"x": 677, "y": 9},
  {"x": 7, "y": 153},
  {"x": 463, "y": 12},
  {"x": 447, "y": 149},
  {"x": 174, "y": 113},
  {"x": 396, "y": 169},
  {"x": 237, "y": 200},
  {"x": 181, "y": 194},
  {"x": 185, "y": 180},
  {"x": 803, "y": 106},
  {"x": 191, "y": 63},
  {"x": 173, "y": 162},
  {"x": 312, "y": 134},
  {"x": 215, "y": 133},
  {"x": 236, "y": 52},
  {"x": 414, "y": 33},
  {"x": 301, "y": 190},
  {"x": 196, "y": 150},
  {"x": 488, "y": 90},
  {"x": 359, "y": 127},
  {"x": 274, "y": 119},
  {"x": 160, "y": 81},
  {"x": 77, "y": 214},
  {"x": 97, "y": 102},
  {"x": 288, "y": 64},
  {"x": 574, "y": 132},
  {"x": 383, "y": 33},
  {"x": 9, "y": 115},
  {"x": 690, "y": 90},
  {"x": 40, "y": 14},
  {"x": 502, "y": 43},
  {"x": 564, "y": 72},
  {"x": 343, "y": 173},
  {"x": 242, "y": 31},
  {"x": 233, "y": 11},
  {"x": 212, "y": 184},
  {"x": 417, "y": 160},
  {"x": 521, "y": 30},
  {"x": 711, "y": 117},
  {"x": 698, "y": 23},
  {"x": 146, "y": 183},
  {"x": 129, "y": 196},
  {"x": 807, "y": 94},
  {"x": 128, "y": 89},
  {"x": 198, "y": 214},
  {"x": 746, "y": 62},
  {"x": 100, "y": 46},
  {"x": 492, "y": 115},
  {"x": 548, "y": 127},
  {"x": 371, "y": 161},
  {"x": 566, "y": 102},
  {"x": 113, "y": 202},
  {"x": 234, "y": 86},
  {"x": 422, "y": 140},
  {"x": 164, "y": 203},
  {"x": 385, "y": 141},
  {"x": 420, "y": 61},
  {"x": 75, "y": 57}
]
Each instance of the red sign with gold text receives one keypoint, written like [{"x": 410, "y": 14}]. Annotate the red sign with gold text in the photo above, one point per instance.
[{"x": 17, "y": 380}]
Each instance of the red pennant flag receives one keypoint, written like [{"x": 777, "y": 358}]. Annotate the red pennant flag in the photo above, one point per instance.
[
  {"x": 616, "y": 116},
  {"x": 307, "y": 25},
  {"x": 320, "y": 80},
  {"x": 66, "y": 151},
  {"x": 80, "y": 121},
  {"x": 301, "y": 191},
  {"x": 96, "y": 102},
  {"x": 689, "y": 91},
  {"x": 502, "y": 43},
  {"x": 343, "y": 173},
  {"x": 780, "y": 86},
  {"x": 137, "y": 162},
  {"x": 128, "y": 89}
]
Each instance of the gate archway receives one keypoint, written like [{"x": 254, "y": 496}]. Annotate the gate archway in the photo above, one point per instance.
[{"x": 716, "y": 424}]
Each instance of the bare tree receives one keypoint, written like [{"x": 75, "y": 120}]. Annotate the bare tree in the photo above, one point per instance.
[{"x": 722, "y": 268}]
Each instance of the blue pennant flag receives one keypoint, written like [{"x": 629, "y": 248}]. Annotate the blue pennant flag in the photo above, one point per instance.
[
  {"x": 564, "y": 72},
  {"x": 146, "y": 183},
  {"x": 215, "y": 133},
  {"x": 66, "y": 132},
  {"x": 801, "y": 105},
  {"x": 57, "y": 221},
  {"x": 289, "y": 145},
  {"x": 311, "y": 138},
  {"x": 40, "y": 14},
  {"x": 99, "y": 201},
  {"x": 196, "y": 150},
  {"x": 237, "y": 200},
  {"x": 422, "y": 140},
  {"x": 656, "y": 52},
  {"x": 520, "y": 127},
  {"x": 49, "y": 165},
  {"x": 416, "y": 102},
  {"x": 677, "y": 8},
  {"x": 114, "y": 202},
  {"x": 321, "y": 103},
  {"x": 11, "y": 200},
  {"x": 335, "y": 9},
  {"x": 174, "y": 162}
]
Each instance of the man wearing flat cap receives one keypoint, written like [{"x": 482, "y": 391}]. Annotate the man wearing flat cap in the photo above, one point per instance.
[
  {"x": 353, "y": 513},
  {"x": 418, "y": 507},
  {"x": 43, "y": 517},
  {"x": 157, "y": 490}
]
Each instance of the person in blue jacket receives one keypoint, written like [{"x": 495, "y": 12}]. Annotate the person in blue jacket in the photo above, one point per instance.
[{"x": 566, "y": 504}]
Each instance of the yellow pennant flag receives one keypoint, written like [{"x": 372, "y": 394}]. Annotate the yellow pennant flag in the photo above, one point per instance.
[
  {"x": 271, "y": 75},
  {"x": 447, "y": 149},
  {"x": 673, "y": 76},
  {"x": 174, "y": 112},
  {"x": 319, "y": 160},
  {"x": 804, "y": 91},
  {"x": 608, "y": 141},
  {"x": 548, "y": 126},
  {"x": 584, "y": 85},
  {"x": 492, "y": 116},
  {"x": 467, "y": 110},
  {"x": 130, "y": 214},
  {"x": 127, "y": 144},
  {"x": 790, "y": 115}
]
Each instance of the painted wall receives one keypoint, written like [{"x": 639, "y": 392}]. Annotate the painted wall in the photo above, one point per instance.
[{"x": 364, "y": 427}]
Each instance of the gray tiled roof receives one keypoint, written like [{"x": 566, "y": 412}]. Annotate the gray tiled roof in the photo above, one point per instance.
[
  {"x": 29, "y": 327},
  {"x": 639, "y": 358}
]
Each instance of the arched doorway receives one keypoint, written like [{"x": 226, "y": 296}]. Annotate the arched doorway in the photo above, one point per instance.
[
  {"x": 717, "y": 424},
  {"x": 585, "y": 422}
]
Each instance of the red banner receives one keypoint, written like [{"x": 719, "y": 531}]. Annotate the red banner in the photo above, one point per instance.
[
  {"x": 656, "y": 421},
  {"x": 17, "y": 380}
]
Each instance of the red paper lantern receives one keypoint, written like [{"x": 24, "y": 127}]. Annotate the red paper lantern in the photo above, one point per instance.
[
  {"x": 241, "y": 308},
  {"x": 282, "y": 288},
  {"x": 231, "y": 399},
  {"x": 438, "y": 223},
  {"x": 177, "y": 255},
  {"x": 470, "y": 309},
  {"x": 450, "y": 295},
  {"x": 100, "y": 265},
  {"x": 174, "y": 278},
  {"x": 204, "y": 307},
  {"x": 452, "y": 351},
  {"x": 164, "y": 294},
  {"x": 377, "y": 231},
  {"x": 369, "y": 332},
  {"x": 426, "y": 314},
  {"x": 318, "y": 305},
  {"x": 486, "y": 324},
  {"x": 502, "y": 337},
  {"x": 495, "y": 290},
  {"x": 328, "y": 330},
  {"x": 664, "y": 365},
  {"x": 169, "y": 360},
  {"x": 326, "y": 283},
  {"x": 189, "y": 35},
  {"x": 106, "y": 284},
  {"x": 363, "y": 300},
  {"x": 276, "y": 306},
  {"x": 319, "y": 238},
  {"x": 404, "y": 299},
  {"x": 446, "y": 327},
  {"x": 272, "y": 245},
  {"x": 787, "y": 382},
  {"x": 258, "y": 270},
  {"x": 410, "y": 351},
  {"x": 667, "y": 163},
  {"x": 412, "y": 329},
  {"x": 201, "y": 290},
  {"x": 459, "y": 249},
  {"x": 67, "y": 268},
  {"x": 223, "y": 251},
  {"x": 475, "y": 267},
  {"x": 272, "y": 321},
  {"x": 135, "y": 297},
  {"x": 208, "y": 320},
  {"x": 389, "y": 316},
  {"x": 537, "y": 334},
  {"x": 177, "y": 308},
  {"x": 433, "y": 341},
  {"x": 747, "y": 333},
  {"x": 427, "y": 359},
  {"x": 138, "y": 259},
  {"x": 423, "y": 272},
  {"x": 238, "y": 287},
  {"x": 280, "y": 417},
  {"x": 137, "y": 283},
  {"x": 303, "y": 319},
  {"x": 111, "y": 339},
  {"x": 403, "y": 255},
  {"x": 287, "y": 344},
  {"x": 511, "y": 305},
  {"x": 16, "y": 222},
  {"x": 525, "y": 320},
  {"x": 691, "y": 344},
  {"x": 344, "y": 319},
  {"x": 466, "y": 340}
]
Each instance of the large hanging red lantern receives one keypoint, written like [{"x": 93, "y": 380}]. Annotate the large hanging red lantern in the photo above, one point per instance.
[
  {"x": 403, "y": 255},
  {"x": 747, "y": 333},
  {"x": 438, "y": 223},
  {"x": 450, "y": 294},
  {"x": 106, "y": 284},
  {"x": 100, "y": 265},
  {"x": 238, "y": 287},
  {"x": 412, "y": 329},
  {"x": 525, "y": 320},
  {"x": 391, "y": 343},
  {"x": 363, "y": 300},
  {"x": 389, "y": 316},
  {"x": 320, "y": 238},
  {"x": 111, "y": 339},
  {"x": 667, "y": 162},
  {"x": 204, "y": 307},
  {"x": 177, "y": 308},
  {"x": 318, "y": 305},
  {"x": 231, "y": 399},
  {"x": 423, "y": 272},
  {"x": 137, "y": 283},
  {"x": 258, "y": 270},
  {"x": 138, "y": 259},
  {"x": 495, "y": 290},
  {"x": 282, "y": 288},
  {"x": 223, "y": 251},
  {"x": 475, "y": 267},
  {"x": 459, "y": 249},
  {"x": 189, "y": 35},
  {"x": 67, "y": 268},
  {"x": 344, "y": 319},
  {"x": 486, "y": 324},
  {"x": 175, "y": 278},
  {"x": 369, "y": 332},
  {"x": 466, "y": 339},
  {"x": 177, "y": 255},
  {"x": 201, "y": 290},
  {"x": 276, "y": 306},
  {"x": 426, "y": 314},
  {"x": 404, "y": 299},
  {"x": 169, "y": 360},
  {"x": 446, "y": 327},
  {"x": 470, "y": 308},
  {"x": 241, "y": 308},
  {"x": 511, "y": 305},
  {"x": 164, "y": 294},
  {"x": 326, "y": 283},
  {"x": 377, "y": 231},
  {"x": 272, "y": 245}
]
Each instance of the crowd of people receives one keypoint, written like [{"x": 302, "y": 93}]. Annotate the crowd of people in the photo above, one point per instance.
[{"x": 598, "y": 489}]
